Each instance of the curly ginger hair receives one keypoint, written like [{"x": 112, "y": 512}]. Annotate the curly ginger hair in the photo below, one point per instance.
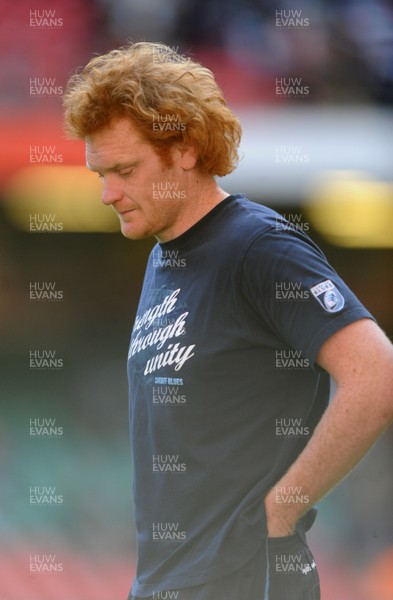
[{"x": 171, "y": 99}]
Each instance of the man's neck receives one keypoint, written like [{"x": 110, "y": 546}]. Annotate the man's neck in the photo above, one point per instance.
[{"x": 206, "y": 195}]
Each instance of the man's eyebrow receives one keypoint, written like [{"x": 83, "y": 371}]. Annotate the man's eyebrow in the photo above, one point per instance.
[{"x": 112, "y": 168}]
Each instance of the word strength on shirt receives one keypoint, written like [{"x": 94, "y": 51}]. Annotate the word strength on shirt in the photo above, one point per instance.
[
  {"x": 168, "y": 464},
  {"x": 145, "y": 335}
]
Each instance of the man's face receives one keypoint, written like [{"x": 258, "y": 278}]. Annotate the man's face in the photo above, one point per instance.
[{"x": 149, "y": 198}]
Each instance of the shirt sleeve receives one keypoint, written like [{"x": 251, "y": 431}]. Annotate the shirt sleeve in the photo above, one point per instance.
[{"x": 294, "y": 290}]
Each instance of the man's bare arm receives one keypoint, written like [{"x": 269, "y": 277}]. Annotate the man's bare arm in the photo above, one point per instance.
[{"x": 359, "y": 357}]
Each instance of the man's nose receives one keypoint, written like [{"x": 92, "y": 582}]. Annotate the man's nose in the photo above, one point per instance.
[{"x": 111, "y": 191}]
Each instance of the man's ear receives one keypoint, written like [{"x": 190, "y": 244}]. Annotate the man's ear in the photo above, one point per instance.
[{"x": 187, "y": 156}]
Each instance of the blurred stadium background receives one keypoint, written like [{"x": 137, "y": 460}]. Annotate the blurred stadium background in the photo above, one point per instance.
[{"x": 313, "y": 84}]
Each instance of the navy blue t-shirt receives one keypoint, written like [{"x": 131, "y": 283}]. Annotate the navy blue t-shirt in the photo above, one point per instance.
[{"x": 224, "y": 389}]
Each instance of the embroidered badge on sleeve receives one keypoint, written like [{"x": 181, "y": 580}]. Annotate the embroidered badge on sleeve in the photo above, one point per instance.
[{"x": 328, "y": 296}]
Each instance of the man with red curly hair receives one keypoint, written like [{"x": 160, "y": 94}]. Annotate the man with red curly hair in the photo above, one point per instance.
[{"x": 233, "y": 438}]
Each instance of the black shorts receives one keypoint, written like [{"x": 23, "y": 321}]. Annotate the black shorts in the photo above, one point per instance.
[{"x": 284, "y": 569}]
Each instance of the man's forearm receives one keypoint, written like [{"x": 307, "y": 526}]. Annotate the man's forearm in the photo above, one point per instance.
[{"x": 350, "y": 425}]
